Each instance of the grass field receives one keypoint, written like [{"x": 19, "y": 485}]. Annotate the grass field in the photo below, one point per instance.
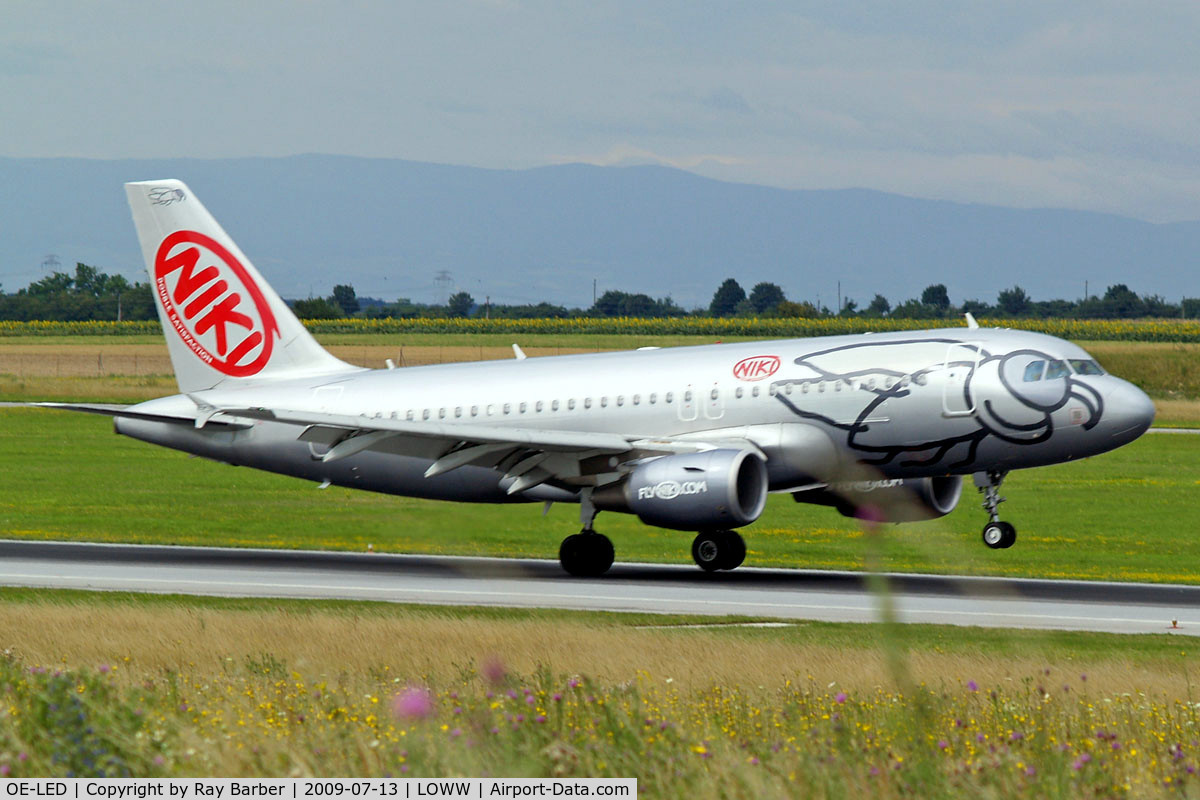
[
  {"x": 1117, "y": 516},
  {"x": 179, "y": 687}
]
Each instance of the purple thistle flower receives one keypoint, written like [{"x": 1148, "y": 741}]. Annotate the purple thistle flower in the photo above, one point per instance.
[
  {"x": 840, "y": 698},
  {"x": 494, "y": 671},
  {"x": 972, "y": 686},
  {"x": 415, "y": 702}
]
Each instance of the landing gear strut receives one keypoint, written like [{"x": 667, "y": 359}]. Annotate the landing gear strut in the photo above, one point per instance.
[
  {"x": 996, "y": 533},
  {"x": 714, "y": 550},
  {"x": 586, "y": 554}
]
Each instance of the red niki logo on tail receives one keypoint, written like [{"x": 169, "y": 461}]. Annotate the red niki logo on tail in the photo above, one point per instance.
[
  {"x": 755, "y": 368},
  {"x": 213, "y": 304}
]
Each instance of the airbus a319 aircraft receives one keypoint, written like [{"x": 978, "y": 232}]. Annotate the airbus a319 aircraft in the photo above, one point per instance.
[{"x": 883, "y": 426}]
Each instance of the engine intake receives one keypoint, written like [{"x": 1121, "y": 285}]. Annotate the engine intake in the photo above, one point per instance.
[
  {"x": 889, "y": 500},
  {"x": 692, "y": 491}
]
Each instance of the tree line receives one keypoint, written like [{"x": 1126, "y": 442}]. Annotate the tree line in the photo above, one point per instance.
[{"x": 90, "y": 294}]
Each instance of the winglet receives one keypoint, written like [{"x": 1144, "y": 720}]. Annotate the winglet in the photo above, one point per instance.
[
  {"x": 971, "y": 323},
  {"x": 518, "y": 352}
]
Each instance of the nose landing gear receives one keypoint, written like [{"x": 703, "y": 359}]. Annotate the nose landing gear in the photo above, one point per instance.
[{"x": 997, "y": 534}]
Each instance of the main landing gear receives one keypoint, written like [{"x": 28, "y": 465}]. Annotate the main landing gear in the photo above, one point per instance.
[
  {"x": 997, "y": 534},
  {"x": 714, "y": 550},
  {"x": 586, "y": 554}
]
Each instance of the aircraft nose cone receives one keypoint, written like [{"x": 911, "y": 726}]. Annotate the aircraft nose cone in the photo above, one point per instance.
[{"x": 1128, "y": 412}]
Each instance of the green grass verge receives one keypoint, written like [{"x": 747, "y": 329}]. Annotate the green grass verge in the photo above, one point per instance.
[{"x": 1120, "y": 516}]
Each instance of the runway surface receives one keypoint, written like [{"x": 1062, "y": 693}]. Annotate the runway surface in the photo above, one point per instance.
[{"x": 768, "y": 593}]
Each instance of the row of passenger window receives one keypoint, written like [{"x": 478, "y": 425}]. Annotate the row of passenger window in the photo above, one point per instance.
[{"x": 540, "y": 406}]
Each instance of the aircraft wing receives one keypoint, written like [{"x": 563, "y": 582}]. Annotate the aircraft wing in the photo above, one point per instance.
[{"x": 529, "y": 456}]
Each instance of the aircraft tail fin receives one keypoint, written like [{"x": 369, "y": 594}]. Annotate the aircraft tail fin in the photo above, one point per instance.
[{"x": 222, "y": 321}]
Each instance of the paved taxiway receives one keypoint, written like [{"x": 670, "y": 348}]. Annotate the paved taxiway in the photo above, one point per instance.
[{"x": 772, "y": 593}]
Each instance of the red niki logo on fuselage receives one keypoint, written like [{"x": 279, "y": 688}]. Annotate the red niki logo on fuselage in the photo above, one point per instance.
[
  {"x": 755, "y": 368},
  {"x": 213, "y": 304}
]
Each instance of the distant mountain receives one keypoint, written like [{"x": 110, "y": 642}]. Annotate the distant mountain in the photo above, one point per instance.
[{"x": 387, "y": 226}]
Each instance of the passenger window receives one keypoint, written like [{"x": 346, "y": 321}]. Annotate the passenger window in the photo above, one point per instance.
[
  {"x": 441, "y": 413},
  {"x": 637, "y": 398},
  {"x": 425, "y": 414},
  {"x": 653, "y": 398},
  {"x": 670, "y": 398},
  {"x": 538, "y": 406},
  {"x": 804, "y": 387},
  {"x": 604, "y": 401},
  {"x": 508, "y": 408},
  {"x": 687, "y": 396},
  {"x": 409, "y": 415},
  {"x": 821, "y": 386},
  {"x": 458, "y": 411},
  {"x": 522, "y": 407},
  {"x": 491, "y": 409},
  {"x": 713, "y": 394},
  {"x": 554, "y": 405},
  {"x": 571, "y": 404},
  {"x": 1033, "y": 372},
  {"x": 754, "y": 392},
  {"x": 738, "y": 392},
  {"x": 1056, "y": 369},
  {"x": 474, "y": 411},
  {"x": 587, "y": 402},
  {"x": 620, "y": 399}
]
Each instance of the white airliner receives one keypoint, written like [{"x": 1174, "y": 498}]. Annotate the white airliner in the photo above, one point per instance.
[{"x": 883, "y": 426}]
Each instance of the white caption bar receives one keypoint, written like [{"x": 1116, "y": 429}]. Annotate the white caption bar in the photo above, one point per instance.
[{"x": 313, "y": 788}]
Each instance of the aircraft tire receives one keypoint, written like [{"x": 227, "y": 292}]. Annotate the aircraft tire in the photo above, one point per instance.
[
  {"x": 999, "y": 535},
  {"x": 735, "y": 550},
  {"x": 586, "y": 555},
  {"x": 709, "y": 550}
]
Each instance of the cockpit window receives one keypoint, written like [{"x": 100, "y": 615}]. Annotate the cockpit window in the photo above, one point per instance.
[
  {"x": 1033, "y": 372},
  {"x": 1056, "y": 369},
  {"x": 1085, "y": 366}
]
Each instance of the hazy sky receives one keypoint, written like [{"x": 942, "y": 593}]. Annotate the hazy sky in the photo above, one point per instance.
[{"x": 1085, "y": 104}]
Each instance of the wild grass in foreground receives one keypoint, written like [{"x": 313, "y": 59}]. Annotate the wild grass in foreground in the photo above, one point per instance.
[{"x": 175, "y": 688}]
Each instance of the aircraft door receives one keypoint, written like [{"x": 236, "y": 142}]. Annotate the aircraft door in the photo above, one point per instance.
[
  {"x": 958, "y": 397},
  {"x": 686, "y": 407},
  {"x": 714, "y": 403}
]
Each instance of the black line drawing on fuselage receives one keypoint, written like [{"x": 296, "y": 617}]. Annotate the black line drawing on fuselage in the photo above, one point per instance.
[{"x": 1003, "y": 395}]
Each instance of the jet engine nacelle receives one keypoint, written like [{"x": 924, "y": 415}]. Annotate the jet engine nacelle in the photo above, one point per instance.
[
  {"x": 889, "y": 500},
  {"x": 693, "y": 491}
]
